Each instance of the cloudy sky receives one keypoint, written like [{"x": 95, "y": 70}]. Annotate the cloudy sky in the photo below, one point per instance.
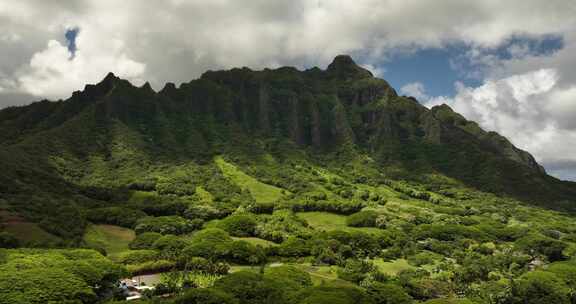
[{"x": 509, "y": 65}]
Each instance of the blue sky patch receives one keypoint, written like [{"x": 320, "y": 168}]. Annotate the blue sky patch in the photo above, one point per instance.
[
  {"x": 439, "y": 68},
  {"x": 70, "y": 36}
]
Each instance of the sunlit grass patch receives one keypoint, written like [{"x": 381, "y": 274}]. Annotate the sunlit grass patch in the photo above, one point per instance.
[
  {"x": 392, "y": 267},
  {"x": 261, "y": 192},
  {"x": 327, "y": 221},
  {"x": 113, "y": 239},
  {"x": 324, "y": 220}
]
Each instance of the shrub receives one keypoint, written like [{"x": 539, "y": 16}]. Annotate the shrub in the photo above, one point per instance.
[
  {"x": 144, "y": 240},
  {"x": 388, "y": 294},
  {"x": 447, "y": 232},
  {"x": 423, "y": 258},
  {"x": 211, "y": 234},
  {"x": 362, "y": 219},
  {"x": 204, "y": 212},
  {"x": 202, "y": 265},
  {"x": 290, "y": 277},
  {"x": 162, "y": 206},
  {"x": 281, "y": 225},
  {"x": 239, "y": 225},
  {"x": 205, "y": 296},
  {"x": 119, "y": 216},
  {"x": 252, "y": 288},
  {"x": 332, "y": 295},
  {"x": 139, "y": 256},
  {"x": 535, "y": 244},
  {"x": 151, "y": 267},
  {"x": 212, "y": 243},
  {"x": 340, "y": 207},
  {"x": 55, "y": 276},
  {"x": 355, "y": 270},
  {"x": 166, "y": 225},
  {"x": 243, "y": 252},
  {"x": 294, "y": 247},
  {"x": 541, "y": 287},
  {"x": 170, "y": 245},
  {"x": 8, "y": 240}
]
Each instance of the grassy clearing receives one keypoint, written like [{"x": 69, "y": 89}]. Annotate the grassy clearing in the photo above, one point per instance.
[
  {"x": 260, "y": 191},
  {"x": 392, "y": 267},
  {"x": 113, "y": 239},
  {"x": 256, "y": 241},
  {"x": 326, "y": 221},
  {"x": 321, "y": 275}
]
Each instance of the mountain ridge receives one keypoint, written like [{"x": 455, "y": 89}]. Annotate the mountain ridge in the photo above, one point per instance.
[{"x": 89, "y": 149}]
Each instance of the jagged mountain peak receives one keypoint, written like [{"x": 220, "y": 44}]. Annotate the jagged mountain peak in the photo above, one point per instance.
[
  {"x": 325, "y": 111},
  {"x": 344, "y": 67}
]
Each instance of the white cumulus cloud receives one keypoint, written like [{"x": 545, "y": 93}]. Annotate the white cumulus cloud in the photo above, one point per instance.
[{"x": 526, "y": 109}]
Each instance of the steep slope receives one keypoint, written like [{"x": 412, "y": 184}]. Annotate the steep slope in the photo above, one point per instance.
[{"x": 99, "y": 146}]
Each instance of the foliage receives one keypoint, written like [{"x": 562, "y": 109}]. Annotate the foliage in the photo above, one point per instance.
[
  {"x": 291, "y": 278},
  {"x": 252, "y": 288},
  {"x": 214, "y": 243},
  {"x": 144, "y": 240},
  {"x": 297, "y": 158},
  {"x": 166, "y": 225},
  {"x": 205, "y": 296},
  {"x": 362, "y": 219},
  {"x": 138, "y": 256},
  {"x": 332, "y": 295},
  {"x": 388, "y": 294},
  {"x": 356, "y": 270},
  {"x": 120, "y": 216},
  {"x": 40, "y": 276},
  {"x": 241, "y": 225},
  {"x": 548, "y": 247},
  {"x": 154, "y": 266},
  {"x": 540, "y": 287},
  {"x": 281, "y": 225},
  {"x": 8, "y": 240}
]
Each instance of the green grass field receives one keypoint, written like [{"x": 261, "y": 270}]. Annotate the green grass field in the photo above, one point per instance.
[
  {"x": 260, "y": 191},
  {"x": 113, "y": 239},
  {"x": 392, "y": 267},
  {"x": 326, "y": 221}
]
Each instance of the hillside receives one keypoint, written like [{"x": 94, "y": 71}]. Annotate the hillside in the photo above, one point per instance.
[
  {"x": 319, "y": 169},
  {"x": 91, "y": 149}
]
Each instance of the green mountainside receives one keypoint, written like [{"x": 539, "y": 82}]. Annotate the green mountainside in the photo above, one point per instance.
[{"x": 320, "y": 168}]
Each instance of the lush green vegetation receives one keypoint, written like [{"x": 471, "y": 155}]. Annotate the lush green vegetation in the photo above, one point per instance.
[
  {"x": 329, "y": 189},
  {"x": 56, "y": 276}
]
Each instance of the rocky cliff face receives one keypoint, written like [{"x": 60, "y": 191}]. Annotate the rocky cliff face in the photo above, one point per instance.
[{"x": 343, "y": 106}]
